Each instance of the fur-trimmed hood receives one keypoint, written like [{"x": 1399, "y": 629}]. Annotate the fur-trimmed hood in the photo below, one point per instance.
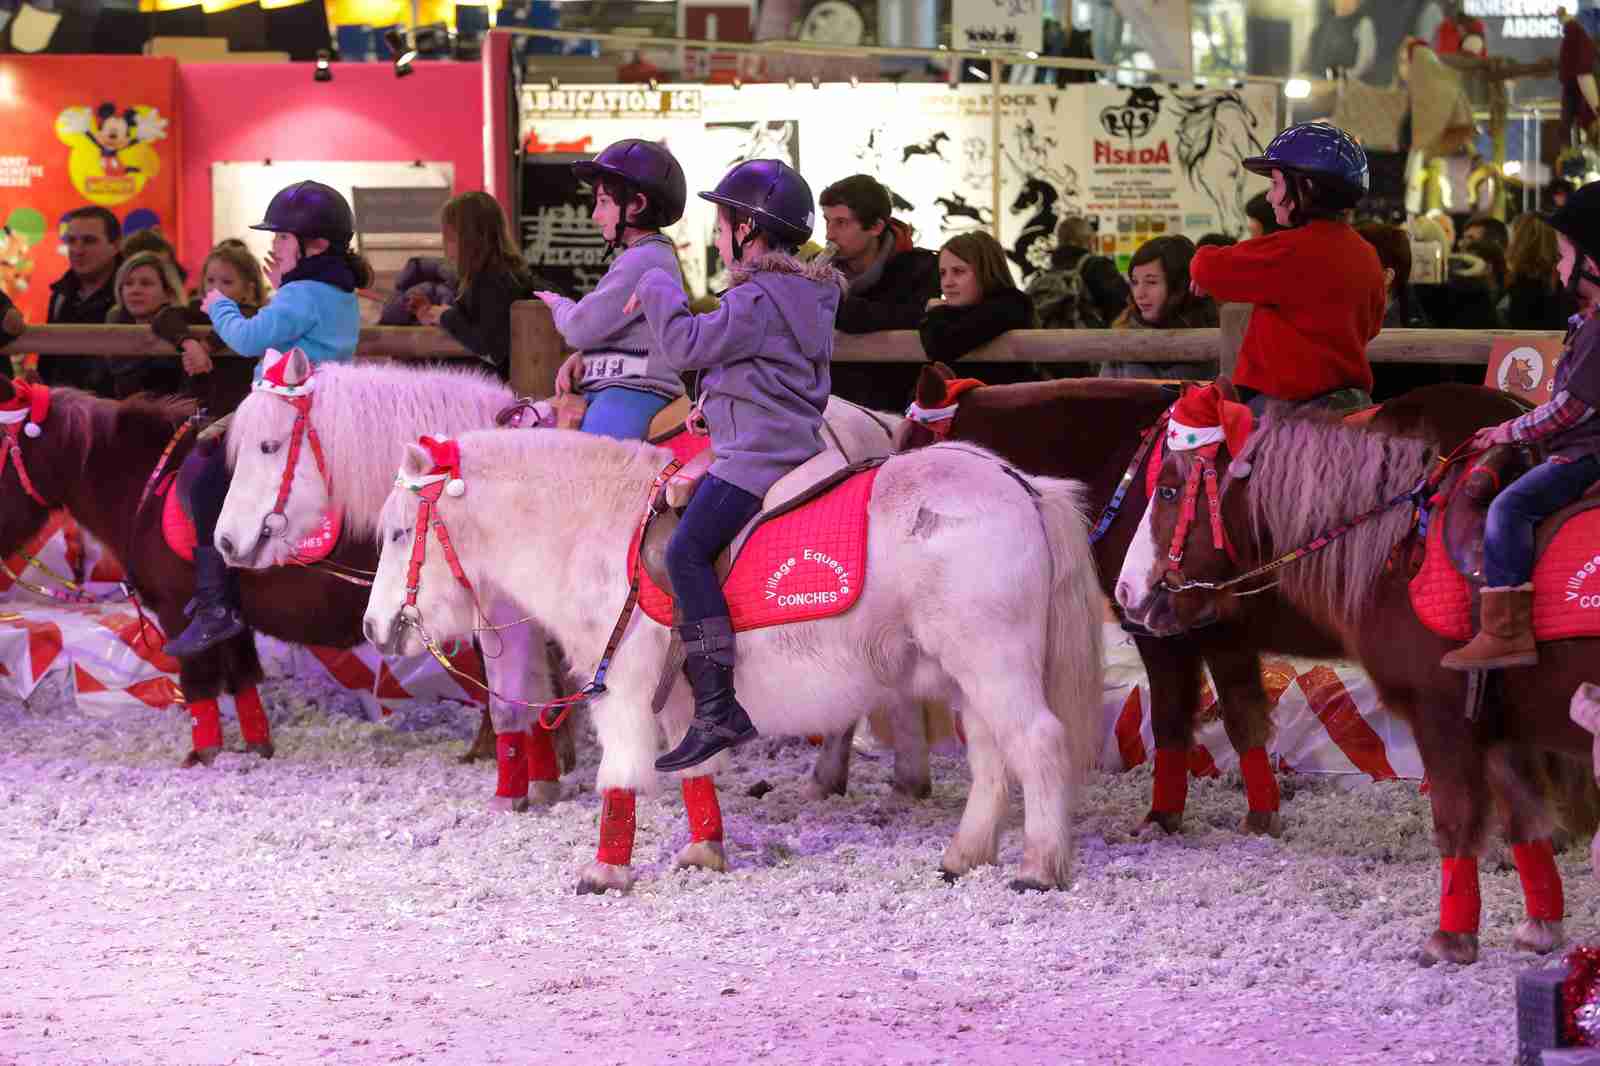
[{"x": 818, "y": 268}]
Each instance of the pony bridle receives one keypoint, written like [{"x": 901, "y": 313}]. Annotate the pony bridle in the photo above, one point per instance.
[
  {"x": 936, "y": 420},
  {"x": 428, "y": 489},
  {"x": 1202, "y": 467},
  {"x": 276, "y": 522},
  {"x": 13, "y": 421}
]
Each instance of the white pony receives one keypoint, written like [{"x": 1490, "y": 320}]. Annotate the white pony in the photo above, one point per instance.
[
  {"x": 979, "y": 592},
  {"x": 363, "y": 416}
]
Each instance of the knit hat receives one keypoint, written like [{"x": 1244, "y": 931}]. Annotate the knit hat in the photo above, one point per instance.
[
  {"x": 284, "y": 375},
  {"x": 446, "y": 456},
  {"x": 30, "y": 403},
  {"x": 1205, "y": 416}
]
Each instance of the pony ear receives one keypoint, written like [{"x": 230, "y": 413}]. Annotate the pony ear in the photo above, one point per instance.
[
  {"x": 297, "y": 367},
  {"x": 931, "y": 384},
  {"x": 1225, "y": 386},
  {"x": 415, "y": 461}
]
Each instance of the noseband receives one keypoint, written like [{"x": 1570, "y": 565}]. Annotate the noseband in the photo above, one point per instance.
[
  {"x": 276, "y": 522},
  {"x": 1202, "y": 467},
  {"x": 13, "y": 456}
]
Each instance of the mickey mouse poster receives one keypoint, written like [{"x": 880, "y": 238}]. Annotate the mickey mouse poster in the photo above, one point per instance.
[{"x": 110, "y": 155}]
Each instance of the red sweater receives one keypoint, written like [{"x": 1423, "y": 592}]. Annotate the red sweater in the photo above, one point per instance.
[{"x": 1319, "y": 297}]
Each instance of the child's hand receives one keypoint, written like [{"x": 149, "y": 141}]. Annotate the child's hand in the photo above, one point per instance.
[
  {"x": 1490, "y": 436},
  {"x": 696, "y": 422},
  {"x": 933, "y": 303},
  {"x": 632, "y": 305},
  {"x": 274, "y": 270},
  {"x": 416, "y": 300},
  {"x": 196, "y": 360},
  {"x": 550, "y": 299},
  {"x": 211, "y": 298},
  {"x": 429, "y": 314},
  {"x": 567, "y": 376}
]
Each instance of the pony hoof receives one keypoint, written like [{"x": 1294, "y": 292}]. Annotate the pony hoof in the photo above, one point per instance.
[
  {"x": 1459, "y": 948},
  {"x": 815, "y": 790},
  {"x": 200, "y": 757},
  {"x": 1538, "y": 935},
  {"x": 544, "y": 793},
  {"x": 263, "y": 749},
  {"x": 1263, "y": 823},
  {"x": 920, "y": 789},
  {"x": 602, "y": 877},
  {"x": 1167, "y": 822},
  {"x": 948, "y": 876},
  {"x": 508, "y": 804},
  {"x": 1030, "y": 884},
  {"x": 703, "y": 855}
]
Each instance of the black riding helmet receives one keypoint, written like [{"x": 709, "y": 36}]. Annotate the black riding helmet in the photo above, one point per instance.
[
  {"x": 1578, "y": 220},
  {"x": 639, "y": 167},
  {"x": 310, "y": 210},
  {"x": 774, "y": 196}
]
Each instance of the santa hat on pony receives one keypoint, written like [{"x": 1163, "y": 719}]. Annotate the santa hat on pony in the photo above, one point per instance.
[
  {"x": 1206, "y": 417},
  {"x": 284, "y": 375},
  {"x": 446, "y": 456},
  {"x": 29, "y": 404}
]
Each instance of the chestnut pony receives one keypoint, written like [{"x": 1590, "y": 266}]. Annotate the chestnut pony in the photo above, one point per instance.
[
  {"x": 1089, "y": 430},
  {"x": 93, "y": 458},
  {"x": 1303, "y": 475}
]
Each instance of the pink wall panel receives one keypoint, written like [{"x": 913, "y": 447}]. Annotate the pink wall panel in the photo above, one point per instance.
[{"x": 238, "y": 112}]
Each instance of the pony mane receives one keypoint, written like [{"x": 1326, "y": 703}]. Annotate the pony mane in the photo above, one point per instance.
[
  {"x": 1311, "y": 472},
  {"x": 365, "y": 415}
]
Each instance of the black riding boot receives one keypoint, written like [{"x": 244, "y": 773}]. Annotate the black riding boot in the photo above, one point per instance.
[
  {"x": 214, "y": 612},
  {"x": 719, "y": 722}
]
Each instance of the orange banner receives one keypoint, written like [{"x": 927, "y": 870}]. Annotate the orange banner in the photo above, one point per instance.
[
  {"x": 1527, "y": 368},
  {"x": 81, "y": 130}
]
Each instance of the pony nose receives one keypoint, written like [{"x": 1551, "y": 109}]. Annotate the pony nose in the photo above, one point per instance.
[
  {"x": 370, "y": 628},
  {"x": 225, "y": 542}
]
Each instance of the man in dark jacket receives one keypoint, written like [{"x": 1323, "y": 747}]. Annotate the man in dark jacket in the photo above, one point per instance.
[
  {"x": 891, "y": 282},
  {"x": 84, "y": 295}
]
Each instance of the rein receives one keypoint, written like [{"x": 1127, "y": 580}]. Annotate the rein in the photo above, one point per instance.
[
  {"x": 1109, "y": 515},
  {"x": 411, "y": 615},
  {"x": 277, "y": 519},
  {"x": 1204, "y": 469},
  {"x": 13, "y": 456}
]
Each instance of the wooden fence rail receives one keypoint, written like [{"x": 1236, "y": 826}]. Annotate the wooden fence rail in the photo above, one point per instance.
[{"x": 537, "y": 349}]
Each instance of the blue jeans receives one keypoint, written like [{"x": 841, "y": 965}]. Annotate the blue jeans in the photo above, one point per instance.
[
  {"x": 621, "y": 412},
  {"x": 1536, "y": 495},
  {"x": 713, "y": 518}
]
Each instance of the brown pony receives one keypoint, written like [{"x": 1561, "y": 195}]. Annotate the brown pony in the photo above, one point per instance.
[
  {"x": 93, "y": 459},
  {"x": 1090, "y": 430},
  {"x": 1302, "y": 475}
]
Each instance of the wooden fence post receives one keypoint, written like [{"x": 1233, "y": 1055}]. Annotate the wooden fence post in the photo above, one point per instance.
[
  {"x": 1235, "y": 319},
  {"x": 536, "y": 349}
]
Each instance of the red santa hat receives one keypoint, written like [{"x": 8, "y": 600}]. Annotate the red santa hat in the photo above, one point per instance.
[
  {"x": 29, "y": 404},
  {"x": 1204, "y": 417},
  {"x": 446, "y": 456},
  {"x": 284, "y": 375}
]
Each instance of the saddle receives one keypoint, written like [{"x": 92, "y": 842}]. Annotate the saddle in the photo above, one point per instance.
[{"x": 1466, "y": 509}]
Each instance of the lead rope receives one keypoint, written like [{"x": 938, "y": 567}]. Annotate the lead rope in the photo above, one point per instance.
[{"x": 1109, "y": 515}]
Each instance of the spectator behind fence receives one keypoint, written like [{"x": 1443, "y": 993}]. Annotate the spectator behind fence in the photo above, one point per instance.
[
  {"x": 1259, "y": 217},
  {"x": 84, "y": 295},
  {"x": 425, "y": 281},
  {"x": 146, "y": 283},
  {"x": 979, "y": 301},
  {"x": 1393, "y": 245},
  {"x": 1486, "y": 228},
  {"x": 1080, "y": 290},
  {"x": 1215, "y": 240},
  {"x": 1467, "y": 298},
  {"x": 233, "y": 270},
  {"x": 151, "y": 240},
  {"x": 891, "y": 282},
  {"x": 1532, "y": 298},
  {"x": 1158, "y": 276}
]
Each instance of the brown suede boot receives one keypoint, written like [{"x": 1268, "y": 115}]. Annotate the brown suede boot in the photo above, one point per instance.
[{"x": 1506, "y": 636}]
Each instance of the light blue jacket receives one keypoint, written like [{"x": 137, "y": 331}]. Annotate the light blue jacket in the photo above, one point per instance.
[{"x": 320, "y": 319}]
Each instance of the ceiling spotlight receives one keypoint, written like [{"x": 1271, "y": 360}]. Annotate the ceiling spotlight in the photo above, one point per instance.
[
  {"x": 1512, "y": 168},
  {"x": 323, "y": 72},
  {"x": 1297, "y": 88},
  {"x": 403, "y": 52}
]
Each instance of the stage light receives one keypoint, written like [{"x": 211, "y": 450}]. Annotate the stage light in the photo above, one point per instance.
[
  {"x": 324, "y": 71},
  {"x": 403, "y": 53},
  {"x": 1297, "y": 88},
  {"x": 1512, "y": 168},
  {"x": 978, "y": 72}
]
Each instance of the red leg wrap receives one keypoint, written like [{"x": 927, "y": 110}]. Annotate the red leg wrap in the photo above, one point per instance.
[
  {"x": 1171, "y": 790},
  {"x": 1260, "y": 785},
  {"x": 1541, "y": 881},
  {"x": 205, "y": 724},
  {"x": 1459, "y": 902},
  {"x": 512, "y": 761},
  {"x": 616, "y": 827},
  {"x": 700, "y": 803},
  {"x": 252, "y": 719},
  {"x": 542, "y": 762}
]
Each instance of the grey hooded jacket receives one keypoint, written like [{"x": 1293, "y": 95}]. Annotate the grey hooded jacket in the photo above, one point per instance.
[{"x": 765, "y": 355}]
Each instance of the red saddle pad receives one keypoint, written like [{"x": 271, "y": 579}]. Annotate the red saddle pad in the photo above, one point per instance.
[
  {"x": 807, "y": 564},
  {"x": 1566, "y": 588},
  {"x": 178, "y": 528}
]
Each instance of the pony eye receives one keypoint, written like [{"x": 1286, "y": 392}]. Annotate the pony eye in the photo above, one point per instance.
[
  {"x": 1167, "y": 493},
  {"x": 270, "y": 447},
  {"x": 397, "y": 536}
]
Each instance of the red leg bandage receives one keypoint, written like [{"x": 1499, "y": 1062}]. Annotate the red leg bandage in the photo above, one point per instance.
[
  {"x": 1171, "y": 790},
  {"x": 700, "y": 803},
  {"x": 252, "y": 719},
  {"x": 1260, "y": 785},
  {"x": 1459, "y": 902},
  {"x": 1541, "y": 881},
  {"x": 205, "y": 724},
  {"x": 616, "y": 827},
  {"x": 512, "y": 762},
  {"x": 542, "y": 762}
]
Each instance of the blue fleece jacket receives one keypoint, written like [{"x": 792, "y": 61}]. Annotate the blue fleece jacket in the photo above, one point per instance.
[{"x": 321, "y": 319}]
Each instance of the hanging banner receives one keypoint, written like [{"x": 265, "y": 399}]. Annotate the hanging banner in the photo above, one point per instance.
[
  {"x": 79, "y": 131},
  {"x": 1139, "y": 162}
]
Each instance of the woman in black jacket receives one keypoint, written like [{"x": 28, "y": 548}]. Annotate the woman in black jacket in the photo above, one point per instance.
[
  {"x": 978, "y": 301},
  {"x": 493, "y": 277},
  {"x": 1533, "y": 300}
]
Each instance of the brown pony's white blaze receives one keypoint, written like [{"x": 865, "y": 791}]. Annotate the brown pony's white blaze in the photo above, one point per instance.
[{"x": 1345, "y": 492}]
